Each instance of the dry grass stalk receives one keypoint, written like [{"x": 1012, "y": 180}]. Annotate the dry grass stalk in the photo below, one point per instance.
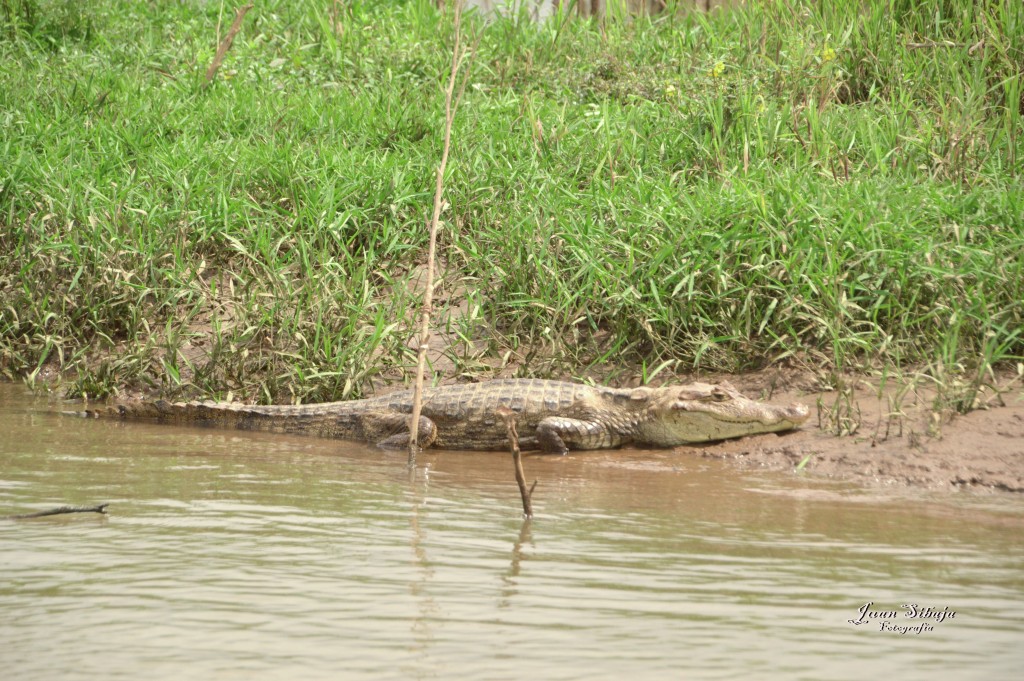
[
  {"x": 225, "y": 44},
  {"x": 458, "y": 52}
]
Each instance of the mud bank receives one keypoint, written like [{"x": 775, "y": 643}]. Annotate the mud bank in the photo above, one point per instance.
[{"x": 906, "y": 442}]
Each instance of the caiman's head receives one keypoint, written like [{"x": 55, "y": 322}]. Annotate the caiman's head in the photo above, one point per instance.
[{"x": 699, "y": 412}]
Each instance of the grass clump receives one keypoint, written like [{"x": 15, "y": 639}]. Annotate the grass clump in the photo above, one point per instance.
[{"x": 837, "y": 183}]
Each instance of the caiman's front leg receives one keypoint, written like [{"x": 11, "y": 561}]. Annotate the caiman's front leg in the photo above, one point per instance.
[
  {"x": 557, "y": 434},
  {"x": 391, "y": 431}
]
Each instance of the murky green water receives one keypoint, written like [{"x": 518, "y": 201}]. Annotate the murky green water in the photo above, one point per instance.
[{"x": 248, "y": 556}]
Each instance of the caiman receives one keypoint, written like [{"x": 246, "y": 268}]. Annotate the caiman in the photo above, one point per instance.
[{"x": 552, "y": 416}]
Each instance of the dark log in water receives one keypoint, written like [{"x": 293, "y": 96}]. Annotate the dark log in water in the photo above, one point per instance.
[{"x": 102, "y": 508}]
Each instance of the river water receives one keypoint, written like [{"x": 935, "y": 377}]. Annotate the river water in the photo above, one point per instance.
[{"x": 230, "y": 555}]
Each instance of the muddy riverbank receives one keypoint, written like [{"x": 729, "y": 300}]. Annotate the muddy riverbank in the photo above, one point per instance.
[
  {"x": 902, "y": 436},
  {"x": 907, "y": 434}
]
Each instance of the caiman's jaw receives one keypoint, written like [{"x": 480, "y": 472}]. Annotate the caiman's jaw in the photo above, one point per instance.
[{"x": 701, "y": 413}]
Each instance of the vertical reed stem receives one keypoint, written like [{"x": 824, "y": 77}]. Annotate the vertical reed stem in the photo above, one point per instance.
[{"x": 428, "y": 291}]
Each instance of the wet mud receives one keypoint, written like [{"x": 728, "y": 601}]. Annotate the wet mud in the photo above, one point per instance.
[{"x": 900, "y": 437}]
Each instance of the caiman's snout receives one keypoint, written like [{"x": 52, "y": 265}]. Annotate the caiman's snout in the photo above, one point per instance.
[
  {"x": 795, "y": 413},
  {"x": 702, "y": 413}
]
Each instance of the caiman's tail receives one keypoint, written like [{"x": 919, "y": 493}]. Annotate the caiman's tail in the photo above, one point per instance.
[
  {"x": 209, "y": 414},
  {"x": 353, "y": 420}
]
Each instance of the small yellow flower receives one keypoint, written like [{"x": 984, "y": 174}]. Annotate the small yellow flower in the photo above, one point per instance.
[
  {"x": 718, "y": 69},
  {"x": 828, "y": 54},
  {"x": 670, "y": 90}
]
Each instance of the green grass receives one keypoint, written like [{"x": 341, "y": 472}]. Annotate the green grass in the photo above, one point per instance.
[{"x": 788, "y": 181}]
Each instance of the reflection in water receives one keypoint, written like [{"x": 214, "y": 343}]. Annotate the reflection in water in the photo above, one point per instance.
[
  {"x": 238, "y": 555},
  {"x": 428, "y": 610},
  {"x": 511, "y": 584}
]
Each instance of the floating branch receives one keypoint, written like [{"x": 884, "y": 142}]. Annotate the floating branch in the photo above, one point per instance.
[{"x": 102, "y": 508}]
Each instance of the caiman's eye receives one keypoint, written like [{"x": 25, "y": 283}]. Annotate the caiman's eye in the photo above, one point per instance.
[{"x": 718, "y": 395}]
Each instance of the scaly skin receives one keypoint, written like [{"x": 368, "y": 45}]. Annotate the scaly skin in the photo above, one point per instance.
[{"x": 552, "y": 416}]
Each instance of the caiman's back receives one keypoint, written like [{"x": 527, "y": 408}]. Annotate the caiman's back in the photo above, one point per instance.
[{"x": 464, "y": 415}]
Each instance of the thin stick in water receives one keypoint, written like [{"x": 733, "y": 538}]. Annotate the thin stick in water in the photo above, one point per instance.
[{"x": 517, "y": 458}]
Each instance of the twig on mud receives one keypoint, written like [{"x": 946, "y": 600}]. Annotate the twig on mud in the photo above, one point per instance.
[
  {"x": 225, "y": 44},
  {"x": 101, "y": 508},
  {"x": 458, "y": 53},
  {"x": 517, "y": 457}
]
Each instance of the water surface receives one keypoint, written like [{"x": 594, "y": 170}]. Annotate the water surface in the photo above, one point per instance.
[{"x": 230, "y": 555}]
